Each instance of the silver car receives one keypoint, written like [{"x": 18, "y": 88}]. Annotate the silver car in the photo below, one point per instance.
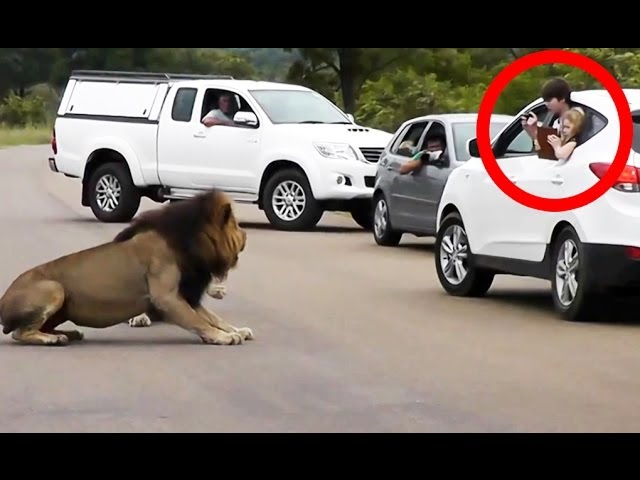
[{"x": 408, "y": 202}]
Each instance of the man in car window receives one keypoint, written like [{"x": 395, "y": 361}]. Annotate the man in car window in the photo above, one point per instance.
[
  {"x": 434, "y": 143},
  {"x": 223, "y": 115},
  {"x": 556, "y": 94}
]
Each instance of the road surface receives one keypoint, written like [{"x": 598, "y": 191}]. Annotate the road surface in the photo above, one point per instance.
[{"x": 350, "y": 337}]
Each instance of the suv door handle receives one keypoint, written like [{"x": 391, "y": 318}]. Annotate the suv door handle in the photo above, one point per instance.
[
  {"x": 200, "y": 135},
  {"x": 557, "y": 181}
]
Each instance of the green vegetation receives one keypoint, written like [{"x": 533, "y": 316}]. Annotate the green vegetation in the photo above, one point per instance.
[
  {"x": 12, "y": 136},
  {"x": 382, "y": 87}
]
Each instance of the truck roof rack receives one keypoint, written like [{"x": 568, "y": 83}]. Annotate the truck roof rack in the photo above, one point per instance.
[{"x": 141, "y": 77}]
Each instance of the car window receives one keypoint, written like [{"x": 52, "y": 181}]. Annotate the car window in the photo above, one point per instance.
[
  {"x": 463, "y": 132},
  {"x": 298, "y": 106},
  {"x": 212, "y": 96},
  {"x": 636, "y": 132},
  {"x": 183, "y": 103},
  {"x": 407, "y": 142},
  {"x": 514, "y": 141},
  {"x": 594, "y": 124}
]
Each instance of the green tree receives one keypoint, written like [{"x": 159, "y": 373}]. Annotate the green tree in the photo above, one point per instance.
[{"x": 351, "y": 68}]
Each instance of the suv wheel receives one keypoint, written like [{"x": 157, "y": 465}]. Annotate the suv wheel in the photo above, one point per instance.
[
  {"x": 289, "y": 203},
  {"x": 455, "y": 264},
  {"x": 383, "y": 234},
  {"x": 113, "y": 196},
  {"x": 571, "y": 291}
]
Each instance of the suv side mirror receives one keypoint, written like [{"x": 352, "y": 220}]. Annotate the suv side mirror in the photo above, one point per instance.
[
  {"x": 248, "y": 119},
  {"x": 472, "y": 148}
]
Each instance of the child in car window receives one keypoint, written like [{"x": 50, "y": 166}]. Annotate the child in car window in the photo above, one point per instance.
[{"x": 572, "y": 123}]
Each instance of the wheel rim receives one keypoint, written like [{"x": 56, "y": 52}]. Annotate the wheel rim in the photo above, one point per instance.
[
  {"x": 108, "y": 191},
  {"x": 289, "y": 201},
  {"x": 567, "y": 264},
  {"x": 380, "y": 219},
  {"x": 454, "y": 255}
]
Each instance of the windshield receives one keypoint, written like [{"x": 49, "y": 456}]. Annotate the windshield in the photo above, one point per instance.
[
  {"x": 298, "y": 106},
  {"x": 636, "y": 133},
  {"x": 463, "y": 132}
]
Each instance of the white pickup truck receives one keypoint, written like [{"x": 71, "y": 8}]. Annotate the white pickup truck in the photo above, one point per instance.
[{"x": 288, "y": 149}]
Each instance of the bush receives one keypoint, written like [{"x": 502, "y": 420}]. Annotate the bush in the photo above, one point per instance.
[{"x": 16, "y": 111}]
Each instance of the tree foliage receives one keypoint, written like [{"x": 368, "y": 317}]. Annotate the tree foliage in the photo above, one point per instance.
[{"x": 382, "y": 87}]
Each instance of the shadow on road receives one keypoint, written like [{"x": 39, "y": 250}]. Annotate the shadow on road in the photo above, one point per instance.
[
  {"x": 418, "y": 247},
  {"x": 96, "y": 340},
  {"x": 318, "y": 229},
  {"x": 247, "y": 225},
  {"x": 610, "y": 311}
]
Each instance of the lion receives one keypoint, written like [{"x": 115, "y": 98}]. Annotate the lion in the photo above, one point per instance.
[
  {"x": 160, "y": 265},
  {"x": 142, "y": 222}
]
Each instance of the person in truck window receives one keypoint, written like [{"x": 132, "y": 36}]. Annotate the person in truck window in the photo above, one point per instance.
[
  {"x": 434, "y": 143},
  {"x": 223, "y": 115}
]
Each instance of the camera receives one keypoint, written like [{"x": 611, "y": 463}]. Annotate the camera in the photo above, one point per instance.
[{"x": 526, "y": 116}]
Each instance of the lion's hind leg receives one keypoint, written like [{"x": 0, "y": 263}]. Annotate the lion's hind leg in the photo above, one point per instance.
[{"x": 28, "y": 311}]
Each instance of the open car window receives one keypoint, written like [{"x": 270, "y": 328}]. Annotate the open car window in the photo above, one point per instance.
[{"x": 515, "y": 142}]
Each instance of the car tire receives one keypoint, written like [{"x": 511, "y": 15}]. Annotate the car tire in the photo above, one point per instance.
[
  {"x": 383, "y": 232},
  {"x": 113, "y": 197},
  {"x": 300, "y": 211},
  {"x": 451, "y": 248},
  {"x": 579, "y": 303}
]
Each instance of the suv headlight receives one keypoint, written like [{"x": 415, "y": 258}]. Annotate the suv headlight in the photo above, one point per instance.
[{"x": 336, "y": 151}]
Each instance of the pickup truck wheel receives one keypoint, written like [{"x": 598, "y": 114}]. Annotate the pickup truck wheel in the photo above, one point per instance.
[
  {"x": 289, "y": 203},
  {"x": 113, "y": 196}
]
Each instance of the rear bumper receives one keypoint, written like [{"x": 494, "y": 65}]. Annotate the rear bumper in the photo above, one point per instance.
[
  {"x": 52, "y": 165},
  {"x": 612, "y": 266}
]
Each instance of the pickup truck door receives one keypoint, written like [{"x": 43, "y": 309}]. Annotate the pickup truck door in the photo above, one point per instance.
[
  {"x": 192, "y": 156},
  {"x": 223, "y": 157}
]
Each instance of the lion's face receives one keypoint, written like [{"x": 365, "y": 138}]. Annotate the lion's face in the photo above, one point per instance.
[{"x": 224, "y": 232}]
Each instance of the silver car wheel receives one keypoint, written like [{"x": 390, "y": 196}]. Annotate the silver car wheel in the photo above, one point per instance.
[
  {"x": 289, "y": 201},
  {"x": 567, "y": 267},
  {"x": 380, "y": 219},
  {"x": 108, "y": 191},
  {"x": 454, "y": 255}
]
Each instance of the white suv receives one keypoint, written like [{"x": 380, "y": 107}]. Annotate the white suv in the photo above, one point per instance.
[{"x": 584, "y": 253}]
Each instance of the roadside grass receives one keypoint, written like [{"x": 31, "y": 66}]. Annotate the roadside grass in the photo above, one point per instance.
[{"x": 30, "y": 135}]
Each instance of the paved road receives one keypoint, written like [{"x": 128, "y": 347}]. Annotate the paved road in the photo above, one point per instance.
[{"x": 350, "y": 337}]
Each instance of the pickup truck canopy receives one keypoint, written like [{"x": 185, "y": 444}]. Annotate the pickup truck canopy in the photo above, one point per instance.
[{"x": 120, "y": 94}]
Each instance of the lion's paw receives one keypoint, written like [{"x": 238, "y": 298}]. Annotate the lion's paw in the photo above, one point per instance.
[
  {"x": 141, "y": 321},
  {"x": 223, "y": 338},
  {"x": 73, "y": 335},
  {"x": 217, "y": 291},
  {"x": 245, "y": 333},
  {"x": 58, "y": 340}
]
